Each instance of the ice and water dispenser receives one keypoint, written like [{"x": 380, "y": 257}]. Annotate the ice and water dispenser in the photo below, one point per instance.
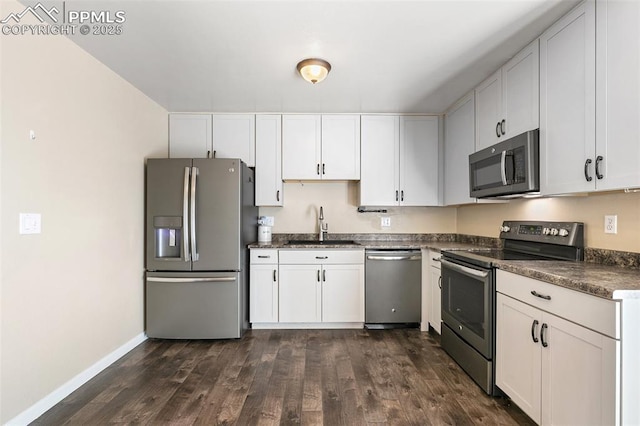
[{"x": 168, "y": 237}]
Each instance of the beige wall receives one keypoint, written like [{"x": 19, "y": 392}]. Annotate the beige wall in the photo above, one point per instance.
[
  {"x": 74, "y": 293},
  {"x": 340, "y": 202},
  {"x": 486, "y": 219}
]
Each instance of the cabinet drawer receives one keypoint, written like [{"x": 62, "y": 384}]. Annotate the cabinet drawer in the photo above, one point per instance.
[
  {"x": 322, "y": 256},
  {"x": 593, "y": 312},
  {"x": 264, "y": 256}
]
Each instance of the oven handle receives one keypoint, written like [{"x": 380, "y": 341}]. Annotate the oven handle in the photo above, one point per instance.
[{"x": 464, "y": 270}]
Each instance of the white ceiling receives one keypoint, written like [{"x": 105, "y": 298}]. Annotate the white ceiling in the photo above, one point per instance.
[{"x": 387, "y": 56}]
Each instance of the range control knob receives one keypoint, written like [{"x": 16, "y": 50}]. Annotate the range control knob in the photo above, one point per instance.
[
  {"x": 554, "y": 231},
  {"x": 546, "y": 231},
  {"x": 505, "y": 228},
  {"x": 563, "y": 232}
]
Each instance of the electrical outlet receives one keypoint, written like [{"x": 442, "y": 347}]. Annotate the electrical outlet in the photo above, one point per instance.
[
  {"x": 611, "y": 224},
  {"x": 385, "y": 221}
]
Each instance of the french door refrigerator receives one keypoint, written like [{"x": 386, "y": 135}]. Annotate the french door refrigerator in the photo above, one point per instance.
[{"x": 200, "y": 216}]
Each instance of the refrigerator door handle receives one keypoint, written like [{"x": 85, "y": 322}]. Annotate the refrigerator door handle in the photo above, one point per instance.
[
  {"x": 185, "y": 216},
  {"x": 190, "y": 280},
  {"x": 194, "y": 177}
]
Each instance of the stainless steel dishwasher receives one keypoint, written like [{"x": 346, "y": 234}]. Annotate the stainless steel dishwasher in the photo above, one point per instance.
[{"x": 393, "y": 282}]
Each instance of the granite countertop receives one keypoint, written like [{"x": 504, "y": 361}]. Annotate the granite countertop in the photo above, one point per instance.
[{"x": 609, "y": 282}]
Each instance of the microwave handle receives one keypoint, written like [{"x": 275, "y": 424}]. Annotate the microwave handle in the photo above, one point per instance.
[{"x": 503, "y": 167}]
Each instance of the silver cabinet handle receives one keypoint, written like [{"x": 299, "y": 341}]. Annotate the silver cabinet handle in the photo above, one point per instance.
[
  {"x": 191, "y": 280},
  {"x": 322, "y": 257},
  {"x": 541, "y": 296},
  {"x": 318, "y": 275},
  {"x": 396, "y": 195},
  {"x": 435, "y": 259},
  {"x": 464, "y": 270},
  {"x": 194, "y": 177},
  {"x": 402, "y": 195},
  {"x": 324, "y": 275},
  {"x": 318, "y": 169},
  {"x": 503, "y": 124},
  {"x": 275, "y": 277},
  {"x": 323, "y": 168},
  {"x": 185, "y": 216},
  {"x": 278, "y": 195},
  {"x": 440, "y": 281}
]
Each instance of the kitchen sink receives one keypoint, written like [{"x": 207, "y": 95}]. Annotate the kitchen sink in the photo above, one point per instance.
[{"x": 321, "y": 243}]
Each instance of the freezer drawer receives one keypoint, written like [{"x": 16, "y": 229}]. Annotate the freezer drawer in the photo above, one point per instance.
[{"x": 194, "y": 306}]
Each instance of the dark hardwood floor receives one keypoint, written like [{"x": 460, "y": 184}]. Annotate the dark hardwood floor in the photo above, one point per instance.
[{"x": 309, "y": 377}]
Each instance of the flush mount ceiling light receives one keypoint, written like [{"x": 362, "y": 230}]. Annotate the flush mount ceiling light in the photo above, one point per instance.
[{"x": 314, "y": 70}]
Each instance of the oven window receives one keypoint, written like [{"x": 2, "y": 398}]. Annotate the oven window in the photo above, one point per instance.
[{"x": 464, "y": 298}]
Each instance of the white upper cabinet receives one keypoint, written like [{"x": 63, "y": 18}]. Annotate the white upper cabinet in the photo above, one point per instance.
[
  {"x": 507, "y": 103},
  {"x": 459, "y": 143},
  {"x": 190, "y": 136},
  {"x": 341, "y": 147},
  {"x": 208, "y": 136},
  {"x": 269, "y": 188},
  {"x": 316, "y": 147},
  {"x": 419, "y": 161},
  {"x": 301, "y": 147},
  {"x": 234, "y": 137},
  {"x": 617, "y": 94},
  {"x": 489, "y": 111},
  {"x": 399, "y": 161},
  {"x": 567, "y": 103},
  {"x": 380, "y": 160}
]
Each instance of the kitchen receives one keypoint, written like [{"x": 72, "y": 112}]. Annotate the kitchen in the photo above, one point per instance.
[{"x": 48, "y": 341}]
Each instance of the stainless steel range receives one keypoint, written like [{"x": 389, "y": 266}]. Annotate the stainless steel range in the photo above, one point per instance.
[{"x": 468, "y": 289}]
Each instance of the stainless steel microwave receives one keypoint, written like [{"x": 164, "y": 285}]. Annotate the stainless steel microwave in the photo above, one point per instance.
[{"x": 508, "y": 168}]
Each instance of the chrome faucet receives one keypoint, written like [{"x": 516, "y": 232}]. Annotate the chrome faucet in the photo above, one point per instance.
[{"x": 323, "y": 227}]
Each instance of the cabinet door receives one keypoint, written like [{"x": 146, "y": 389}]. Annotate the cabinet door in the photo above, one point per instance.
[
  {"x": 263, "y": 293},
  {"x": 300, "y": 293},
  {"x": 618, "y": 93},
  {"x": 341, "y": 147},
  {"x": 269, "y": 191},
  {"x": 521, "y": 92},
  {"x": 567, "y": 103},
  {"x": 435, "y": 313},
  {"x": 234, "y": 136},
  {"x": 301, "y": 147},
  {"x": 459, "y": 143},
  {"x": 380, "y": 148},
  {"x": 579, "y": 375},
  {"x": 190, "y": 136},
  {"x": 343, "y": 293},
  {"x": 518, "y": 365},
  {"x": 419, "y": 161},
  {"x": 489, "y": 111}
]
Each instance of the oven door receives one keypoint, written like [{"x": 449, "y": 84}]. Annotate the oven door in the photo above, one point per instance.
[{"x": 467, "y": 304}]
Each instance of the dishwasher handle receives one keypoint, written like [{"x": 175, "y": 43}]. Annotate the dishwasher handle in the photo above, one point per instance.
[{"x": 392, "y": 257}]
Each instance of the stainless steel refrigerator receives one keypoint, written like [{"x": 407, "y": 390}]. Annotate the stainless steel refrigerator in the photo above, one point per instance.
[{"x": 200, "y": 216}]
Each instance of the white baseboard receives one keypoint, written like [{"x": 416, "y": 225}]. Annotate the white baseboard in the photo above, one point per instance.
[{"x": 41, "y": 407}]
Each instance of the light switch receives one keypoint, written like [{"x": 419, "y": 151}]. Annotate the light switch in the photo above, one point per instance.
[
  {"x": 385, "y": 221},
  {"x": 30, "y": 223}
]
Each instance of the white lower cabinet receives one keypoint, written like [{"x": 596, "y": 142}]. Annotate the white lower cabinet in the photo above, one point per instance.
[
  {"x": 555, "y": 369},
  {"x": 263, "y": 287},
  {"x": 435, "y": 284},
  {"x": 314, "y": 287}
]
